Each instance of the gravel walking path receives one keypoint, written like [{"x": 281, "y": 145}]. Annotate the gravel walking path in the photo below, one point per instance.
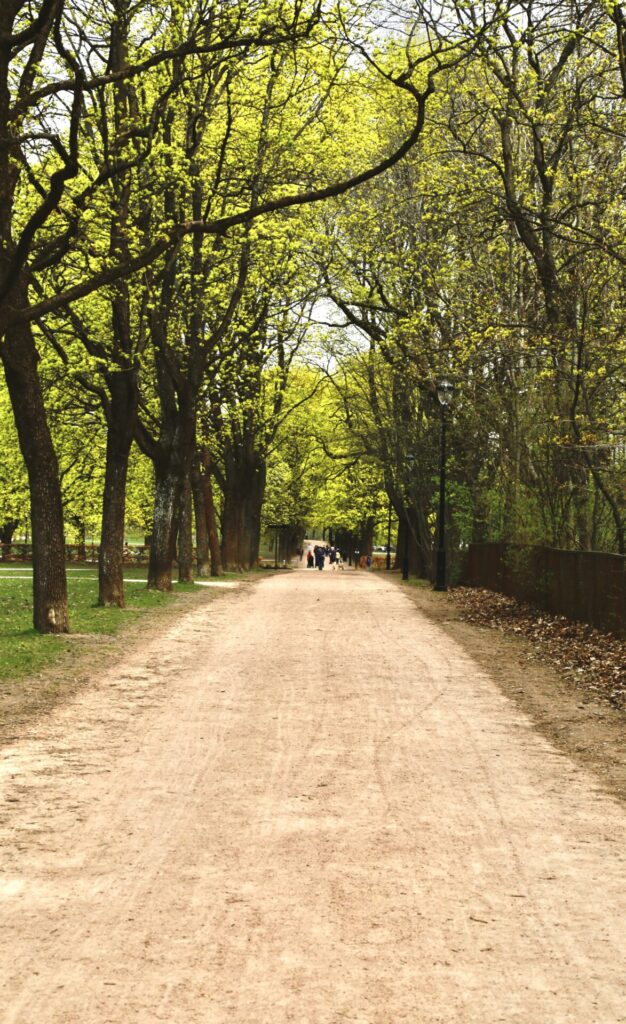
[{"x": 305, "y": 804}]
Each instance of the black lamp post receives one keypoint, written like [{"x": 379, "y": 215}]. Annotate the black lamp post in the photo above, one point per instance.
[
  {"x": 388, "y": 564},
  {"x": 445, "y": 391}
]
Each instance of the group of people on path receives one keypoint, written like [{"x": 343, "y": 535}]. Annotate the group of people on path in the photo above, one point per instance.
[{"x": 316, "y": 558}]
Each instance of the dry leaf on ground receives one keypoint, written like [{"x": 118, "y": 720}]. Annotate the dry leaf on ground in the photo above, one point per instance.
[{"x": 594, "y": 661}]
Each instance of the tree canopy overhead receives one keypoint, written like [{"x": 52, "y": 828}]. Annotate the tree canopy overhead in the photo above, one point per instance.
[{"x": 188, "y": 191}]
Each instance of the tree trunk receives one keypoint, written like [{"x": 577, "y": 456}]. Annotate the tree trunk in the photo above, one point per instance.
[
  {"x": 185, "y": 538},
  {"x": 7, "y": 530},
  {"x": 213, "y": 532},
  {"x": 81, "y": 554},
  {"x": 122, "y": 381},
  {"x": 411, "y": 541},
  {"x": 50, "y": 607},
  {"x": 167, "y": 490},
  {"x": 415, "y": 561},
  {"x": 172, "y": 465},
  {"x": 401, "y": 541},
  {"x": 123, "y": 410},
  {"x": 203, "y": 564},
  {"x": 243, "y": 500},
  {"x": 232, "y": 528},
  {"x": 367, "y": 536}
]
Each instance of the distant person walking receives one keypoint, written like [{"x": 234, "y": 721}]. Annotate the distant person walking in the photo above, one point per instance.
[
  {"x": 310, "y": 559},
  {"x": 320, "y": 557}
]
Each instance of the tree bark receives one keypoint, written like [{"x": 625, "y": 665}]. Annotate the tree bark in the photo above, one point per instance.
[
  {"x": 167, "y": 490},
  {"x": 50, "y": 605},
  {"x": 213, "y": 532},
  {"x": 400, "y": 542},
  {"x": 122, "y": 413},
  {"x": 172, "y": 459},
  {"x": 81, "y": 553},
  {"x": 185, "y": 540},
  {"x": 7, "y": 530},
  {"x": 203, "y": 563},
  {"x": 420, "y": 560},
  {"x": 244, "y": 490}
]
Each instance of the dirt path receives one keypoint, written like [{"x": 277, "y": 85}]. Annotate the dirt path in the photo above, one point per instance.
[{"x": 305, "y": 804}]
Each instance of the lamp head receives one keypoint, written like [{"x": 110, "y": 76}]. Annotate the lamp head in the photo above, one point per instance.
[{"x": 445, "y": 391}]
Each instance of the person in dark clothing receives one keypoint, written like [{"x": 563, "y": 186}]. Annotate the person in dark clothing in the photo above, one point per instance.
[
  {"x": 319, "y": 557},
  {"x": 310, "y": 559}
]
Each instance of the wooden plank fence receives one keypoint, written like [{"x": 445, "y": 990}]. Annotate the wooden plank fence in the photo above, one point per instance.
[
  {"x": 134, "y": 554},
  {"x": 588, "y": 586}
]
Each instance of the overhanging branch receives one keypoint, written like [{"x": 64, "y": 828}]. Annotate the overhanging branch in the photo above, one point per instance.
[{"x": 221, "y": 225}]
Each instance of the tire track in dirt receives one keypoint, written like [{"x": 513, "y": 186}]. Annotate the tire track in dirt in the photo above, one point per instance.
[{"x": 304, "y": 804}]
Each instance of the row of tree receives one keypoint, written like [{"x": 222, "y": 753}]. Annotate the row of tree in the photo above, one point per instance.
[
  {"x": 175, "y": 294},
  {"x": 494, "y": 255},
  {"x": 140, "y": 148}
]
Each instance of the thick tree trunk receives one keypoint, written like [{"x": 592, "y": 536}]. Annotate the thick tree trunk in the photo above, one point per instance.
[
  {"x": 185, "y": 537},
  {"x": 203, "y": 564},
  {"x": 50, "y": 607},
  {"x": 243, "y": 500},
  {"x": 122, "y": 382},
  {"x": 233, "y": 530},
  {"x": 121, "y": 426},
  {"x": 81, "y": 554},
  {"x": 367, "y": 537},
  {"x": 167, "y": 490},
  {"x": 215, "y": 550},
  {"x": 419, "y": 559},
  {"x": 401, "y": 542},
  {"x": 418, "y": 565},
  {"x": 209, "y": 555},
  {"x": 172, "y": 465},
  {"x": 7, "y": 529}
]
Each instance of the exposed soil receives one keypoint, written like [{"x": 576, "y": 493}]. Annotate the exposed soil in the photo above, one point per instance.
[
  {"x": 84, "y": 656},
  {"x": 307, "y": 802},
  {"x": 593, "y": 662},
  {"x": 579, "y": 721}
]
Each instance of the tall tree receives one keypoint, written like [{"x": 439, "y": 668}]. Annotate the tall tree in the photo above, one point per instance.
[{"x": 49, "y": 181}]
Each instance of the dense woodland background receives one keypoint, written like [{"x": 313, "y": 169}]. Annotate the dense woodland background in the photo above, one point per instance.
[{"x": 241, "y": 242}]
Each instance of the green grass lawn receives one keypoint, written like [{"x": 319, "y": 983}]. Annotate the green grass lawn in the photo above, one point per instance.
[{"x": 25, "y": 652}]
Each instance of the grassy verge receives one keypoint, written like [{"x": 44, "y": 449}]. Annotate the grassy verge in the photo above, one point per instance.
[
  {"x": 417, "y": 584},
  {"x": 37, "y": 671}
]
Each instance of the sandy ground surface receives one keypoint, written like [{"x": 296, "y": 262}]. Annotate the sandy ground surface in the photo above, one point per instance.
[{"x": 305, "y": 803}]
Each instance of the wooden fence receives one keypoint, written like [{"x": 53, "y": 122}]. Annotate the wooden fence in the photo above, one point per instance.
[
  {"x": 589, "y": 586},
  {"x": 134, "y": 554}
]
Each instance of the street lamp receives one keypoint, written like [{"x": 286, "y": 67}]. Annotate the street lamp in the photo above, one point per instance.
[
  {"x": 388, "y": 560},
  {"x": 445, "y": 391}
]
